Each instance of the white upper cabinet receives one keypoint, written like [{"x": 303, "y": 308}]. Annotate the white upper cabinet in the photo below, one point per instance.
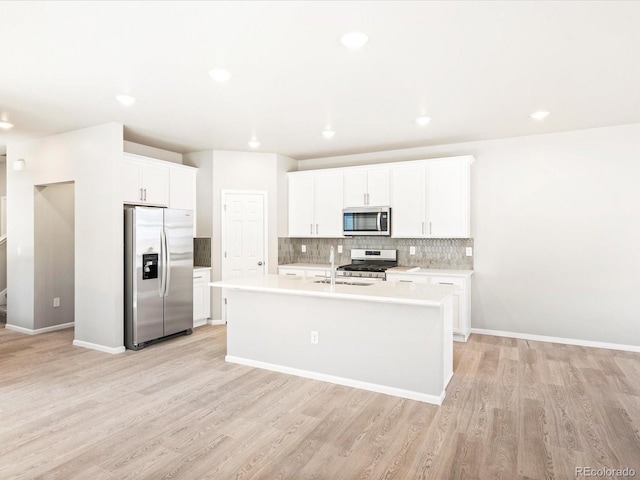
[
  {"x": 301, "y": 205},
  {"x": 145, "y": 181},
  {"x": 182, "y": 187},
  {"x": 328, "y": 205},
  {"x": 448, "y": 199},
  {"x": 315, "y": 204},
  {"x": 408, "y": 202},
  {"x": 366, "y": 187},
  {"x": 430, "y": 199}
]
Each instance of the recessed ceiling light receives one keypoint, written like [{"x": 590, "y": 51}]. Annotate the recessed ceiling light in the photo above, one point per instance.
[
  {"x": 220, "y": 75},
  {"x": 6, "y": 125},
  {"x": 423, "y": 121},
  {"x": 126, "y": 99},
  {"x": 541, "y": 115},
  {"x": 254, "y": 143},
  {"x": 354, "y": 40},
  {"x": 328, "y": 133}
]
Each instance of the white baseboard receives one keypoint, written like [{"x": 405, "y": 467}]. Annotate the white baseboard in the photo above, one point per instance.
[
  {"x": 199, "y": 323},
  {"x": 38, "y": 331},
  {"x": 216, "y": 322},
  {"x": 100, "y": 348},
  {"x": 566, "y": 341},
  {"x": 347, "y": 382}
]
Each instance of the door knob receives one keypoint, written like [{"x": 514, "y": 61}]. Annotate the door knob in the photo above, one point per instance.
[{"x": 259, "y": 264}]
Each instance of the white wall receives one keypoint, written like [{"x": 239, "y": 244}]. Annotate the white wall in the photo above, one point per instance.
[
  {"x": 556, "y": 224},
  {"x": 153, "y": 152},
  {"x": 204, "y": 190},
  {"x": 229, "y": 170},
  {"x": 91, "y": 158}
]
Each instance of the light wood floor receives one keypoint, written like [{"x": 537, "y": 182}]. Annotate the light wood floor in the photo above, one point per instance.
[{"x": 515, "y": 409}]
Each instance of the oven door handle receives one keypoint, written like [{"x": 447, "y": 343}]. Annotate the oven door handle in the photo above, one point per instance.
[{"x": 379, "y": 221}]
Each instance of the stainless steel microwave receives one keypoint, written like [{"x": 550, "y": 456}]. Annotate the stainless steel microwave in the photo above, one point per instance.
[{"x": 366, "y": 221}]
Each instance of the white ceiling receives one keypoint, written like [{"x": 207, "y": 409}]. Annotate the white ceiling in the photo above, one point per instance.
[{"x": 477, "y": 68}]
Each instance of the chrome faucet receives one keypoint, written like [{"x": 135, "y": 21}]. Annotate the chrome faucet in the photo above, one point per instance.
[{"x": 332, "y": 261}]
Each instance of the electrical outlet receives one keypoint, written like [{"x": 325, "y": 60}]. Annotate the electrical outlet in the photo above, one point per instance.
[
  {"x": 56, "y": 302},
  {"x": 314, "y": 337},
  {"x": 469, "y": 251},
  {"x": 304, "y": 248},
  {"x": 339, "y": 248},
  {"x": 412, "y": 250}
]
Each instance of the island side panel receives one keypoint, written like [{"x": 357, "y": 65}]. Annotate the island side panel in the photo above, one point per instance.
[{"x": 392, "y": 345}]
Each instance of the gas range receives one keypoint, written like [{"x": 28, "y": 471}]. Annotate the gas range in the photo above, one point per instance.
[{"x": 369, "y": 263}]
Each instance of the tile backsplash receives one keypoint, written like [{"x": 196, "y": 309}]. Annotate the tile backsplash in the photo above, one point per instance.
[
  {"x": 202, "y": 252},
  {"x": 449, "y": 253}
]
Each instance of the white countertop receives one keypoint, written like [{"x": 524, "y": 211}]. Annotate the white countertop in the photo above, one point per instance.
[
  {"x": 430, "y": 271},
  {"x": 308, "y": 266},
  {"x": 384, "y": 292}
]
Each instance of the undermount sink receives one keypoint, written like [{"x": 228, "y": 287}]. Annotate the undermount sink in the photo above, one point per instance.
[{"x": 342, "y": 282}]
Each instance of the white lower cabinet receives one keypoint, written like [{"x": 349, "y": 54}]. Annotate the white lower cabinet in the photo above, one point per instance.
[
  {"x": 201, "y": 296},
  {"x": 461, "y": 300}
]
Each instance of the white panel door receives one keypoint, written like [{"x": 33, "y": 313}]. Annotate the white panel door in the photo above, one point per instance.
[
  {"x": 243, "y": 254},
  {"x": 408, "y": 201},
  {"x": 328, "y": 205},
  {"x": 355, "y": 188},
  {"x": 378, "y": 187},
  {"x": 447, "y": 200},
  {"x": 301, "y": 215}
]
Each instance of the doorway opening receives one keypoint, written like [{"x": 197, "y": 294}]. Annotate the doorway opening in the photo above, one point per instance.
[{"x": 54, "y": 252}]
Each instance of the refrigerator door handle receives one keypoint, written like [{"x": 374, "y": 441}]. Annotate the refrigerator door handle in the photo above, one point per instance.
[
  {"x": 167, "y": 255},
  {"x": 163, "y": 272}
]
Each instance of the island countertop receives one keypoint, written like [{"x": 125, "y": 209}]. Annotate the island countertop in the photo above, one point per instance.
[{"x": 383, "y": 292}]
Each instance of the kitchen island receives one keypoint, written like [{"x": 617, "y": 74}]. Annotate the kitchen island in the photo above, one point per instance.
[{"x": 387, "y": 337}]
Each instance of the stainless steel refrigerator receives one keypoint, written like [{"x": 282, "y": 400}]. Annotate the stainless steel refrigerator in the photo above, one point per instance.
[{"x": 158, "y": 252}]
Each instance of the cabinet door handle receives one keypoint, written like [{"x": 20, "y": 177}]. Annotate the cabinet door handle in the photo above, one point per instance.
[
  {"x": 290, "y": 274},
  {"x": 364, "y": 198},
  {"x": 311, "y": 228},
  {"x": 429, "y": 228},
  {"x": 445, "y": 283},
  {"x": 406, "y": 281},
  {"x": 316, "y": 229},
  {"x": 140, "y": 194},
  {"x": 368, "y": 200},
  {"x": 196, "y": 277},
  {"x": 423, "y": 228},
  {"x": 145, "y": 194}
]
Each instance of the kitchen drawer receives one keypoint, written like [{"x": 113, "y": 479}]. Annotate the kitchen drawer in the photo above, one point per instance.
[
  {"x": 405, "y": 277},
  {"x": 318, "y": 273},
  {"x": 292, "y": 272},
  {"x": 451, "y": 281}
]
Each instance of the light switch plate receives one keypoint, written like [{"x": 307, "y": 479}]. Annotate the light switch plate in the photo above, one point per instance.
[
  {"x": 469, "y": 251},
  {"x": 412, "y": 250},
  {"x": 304, "y": 249}
]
